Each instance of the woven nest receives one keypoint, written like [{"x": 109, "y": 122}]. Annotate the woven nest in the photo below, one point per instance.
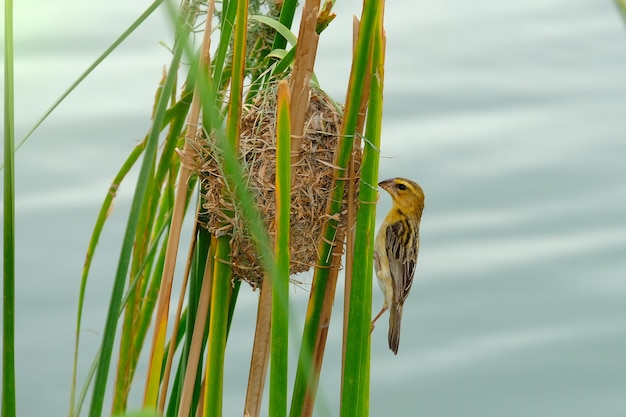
[{"x": 311, "y": 182}]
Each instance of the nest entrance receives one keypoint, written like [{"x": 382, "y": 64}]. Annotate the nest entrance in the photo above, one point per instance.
[{"x": 312, "y": 180}]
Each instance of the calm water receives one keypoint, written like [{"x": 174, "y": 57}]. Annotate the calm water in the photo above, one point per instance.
[{"x": 511, "y": 116}]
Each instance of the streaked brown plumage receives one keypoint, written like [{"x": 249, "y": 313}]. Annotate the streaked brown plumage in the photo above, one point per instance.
[{"x": 395, "y": 250}]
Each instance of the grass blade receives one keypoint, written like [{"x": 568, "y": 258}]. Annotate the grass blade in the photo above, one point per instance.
[
  {"x": 93, "y": 242},
  {"x": 221, "y": 282},
  {"x": 78, "y": 403},
  {"x": 305, "y": 377},
  {"x": 355, "y": 384},
  {"x": 220, "y": 300},
  {"x": 280, "y": 279},
  {"x": 129, "y": 234},
  {"x": 219, "y": 66},
  {"x": 278, "y": 27},
  {"x": 287, "y": 13},
  {"x": 93, "y": 66},
  {"x": 8, "y": 324}
]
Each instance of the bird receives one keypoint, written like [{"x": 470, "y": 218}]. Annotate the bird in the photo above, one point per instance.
[{"x": 395, "y": 250}]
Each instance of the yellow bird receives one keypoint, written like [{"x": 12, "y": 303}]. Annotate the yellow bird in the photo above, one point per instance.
[{"x": 395, "y": 250}]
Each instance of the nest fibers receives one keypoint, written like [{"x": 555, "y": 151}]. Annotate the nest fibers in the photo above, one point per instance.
[{"x": 311, "y": 184}]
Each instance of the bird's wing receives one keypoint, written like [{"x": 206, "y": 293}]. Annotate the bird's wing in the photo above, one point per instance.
[{"x": 402, "y": 248}]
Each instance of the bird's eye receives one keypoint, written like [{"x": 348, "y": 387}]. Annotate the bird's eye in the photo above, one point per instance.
[{"x": 401, "y": 187}]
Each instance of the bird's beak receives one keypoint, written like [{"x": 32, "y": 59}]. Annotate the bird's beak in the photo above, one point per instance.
[{"x": 386, "y": 184}]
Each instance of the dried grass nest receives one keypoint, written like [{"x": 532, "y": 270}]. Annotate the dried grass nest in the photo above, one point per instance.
[{"x": 311, "y": 182}]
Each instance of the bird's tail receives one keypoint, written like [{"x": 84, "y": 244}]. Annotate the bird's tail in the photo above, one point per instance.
[{"x": 395, "y": 317}]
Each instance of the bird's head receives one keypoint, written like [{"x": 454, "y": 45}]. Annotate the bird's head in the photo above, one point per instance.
[{"x": 407, "y": 195}]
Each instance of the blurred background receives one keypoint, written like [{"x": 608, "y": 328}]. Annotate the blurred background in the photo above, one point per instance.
[{"x": 512, "y": 116}]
